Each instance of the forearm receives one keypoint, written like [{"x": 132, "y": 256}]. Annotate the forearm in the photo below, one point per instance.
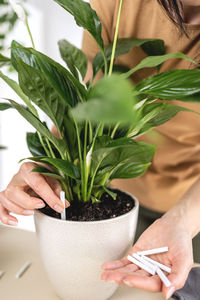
[{"x": 186, "y": 212}]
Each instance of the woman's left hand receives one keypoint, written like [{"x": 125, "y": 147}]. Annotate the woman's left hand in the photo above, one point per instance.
[{"x": 166, "y": 231}]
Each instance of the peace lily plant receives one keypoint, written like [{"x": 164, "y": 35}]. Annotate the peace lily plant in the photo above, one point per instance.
[
  {"x": 96, "y": 126},
  {"x": 96, "y": 123}
]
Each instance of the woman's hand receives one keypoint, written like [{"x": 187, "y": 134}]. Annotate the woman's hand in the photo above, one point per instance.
[
  {"x": 17, "y": 196},
  {"x": 166, "y": 231}
]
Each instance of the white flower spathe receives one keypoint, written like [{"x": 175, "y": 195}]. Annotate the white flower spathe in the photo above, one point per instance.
[
  {"x": 88, "y": 158},
  {"x": 18, "y": 10}
]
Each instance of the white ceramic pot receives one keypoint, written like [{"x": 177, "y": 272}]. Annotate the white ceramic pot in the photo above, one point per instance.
[{"x": 73, "y": 252}]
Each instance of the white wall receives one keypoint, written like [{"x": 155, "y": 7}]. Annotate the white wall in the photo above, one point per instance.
[{"x": 49, "y": 23}]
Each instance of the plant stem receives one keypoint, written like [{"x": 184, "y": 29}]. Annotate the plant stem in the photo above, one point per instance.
[
  {"x": 29, "y": 32},
  {"x": 80, "y": 154},
  {"x": 114, "y": 130},
  {"x": 115, "y": 38},
  {"x": 85, "y": 165},
  {"x": 43, "y": 144},
  {"x": 50, "y": 148}
]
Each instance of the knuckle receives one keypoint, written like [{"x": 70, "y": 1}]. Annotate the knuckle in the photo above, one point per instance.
[
  {"x": 3, "y": 217},
  {"x": 27, "y": 167},
  {"x": 10, "y": 191}
]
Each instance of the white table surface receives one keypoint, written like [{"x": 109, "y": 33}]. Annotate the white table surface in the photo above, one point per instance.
[{"x": 18, "y": 246}]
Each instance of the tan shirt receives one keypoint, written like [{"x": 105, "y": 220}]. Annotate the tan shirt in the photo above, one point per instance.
[{"x": 176, "y": 165}]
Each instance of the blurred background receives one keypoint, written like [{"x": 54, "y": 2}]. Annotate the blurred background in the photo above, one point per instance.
[{"x": 49, "y": 23}]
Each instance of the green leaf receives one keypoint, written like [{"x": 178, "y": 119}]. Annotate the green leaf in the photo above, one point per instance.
[
  {"x": 37, "y": 88},
  {"x": 150, "y": 46},
  {"x": 85, "y": 17},
  {"x": 65, "y": 166},
  {"x": 4, "y": 60},
  {"x": 39, "y": 126},
  {"x": 14, "y": 85},
  {"x": 171, "y": 85},
  {"x": 120, "y": 152},
  {"x": 34, "y": 145},
  {"x": 3, "y": 148},
  {"x": 129, "y": 169},
  {"x": 160, "y": 113},
  {"x": 5, "y": 106},
  {"x": 154, "y": 61},
  {"x": 110, "y": 101},
  {"x": 109, "y": 192},
  {"x": 60, "y": 79},
  {"x": 74, "y": 58},
  {"x": 47, "y": 172}
]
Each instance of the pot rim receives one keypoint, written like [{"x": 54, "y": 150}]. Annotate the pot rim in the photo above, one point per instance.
[{"x": 99, "y": 221}]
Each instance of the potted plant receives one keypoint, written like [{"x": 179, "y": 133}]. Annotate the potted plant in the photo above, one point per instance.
[{"x": 96, "y": 126}]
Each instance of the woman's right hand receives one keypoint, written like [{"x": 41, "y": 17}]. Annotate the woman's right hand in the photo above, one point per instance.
[{"x": 17, "y": 196}]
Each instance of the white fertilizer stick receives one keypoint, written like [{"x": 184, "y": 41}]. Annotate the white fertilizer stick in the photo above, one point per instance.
[
  {"x": 62, "y": 198},
  {"x": 153, "y": 251},
  {"x": 1, "y": 274},
  {"x": 140, "y": 265},
  {"x": 23, "y": 269},
  {"x": 161, "y": 266},
  {"x": 142, "y": 260},
  {"x": 162, "y": 276}
]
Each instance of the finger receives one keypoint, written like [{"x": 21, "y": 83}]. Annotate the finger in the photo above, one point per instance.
[
  {"x": 118, "y": 274},
  {"x": 54, "y": 184},
  {"x": 56, "y": 187},
  {"x": 115, "y": 264},
  {"x": 6, "y": 218},
  {"x": 14, "y": 208},
  {"x": 21, "y": 198},
  {"x": 140, "y": 281},
  {"x": 177, "y": 277},
  {"x": 38, "y": 183}
]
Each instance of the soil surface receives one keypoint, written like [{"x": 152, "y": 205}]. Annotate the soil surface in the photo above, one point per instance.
[{"x": 106, "y": 209}]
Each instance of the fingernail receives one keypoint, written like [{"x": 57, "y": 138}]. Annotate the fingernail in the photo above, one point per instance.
[
  {"x": 12, "y": 223},
  {"x": 111, "y": 281},
  {"x": 40, "y": 205},
  {"x": 127, "y": 283},
  {"x": 170, "y": 292},
  {"x": 58, "y": 208},
  {"x": 67, "y": 203},
  {"x": 28, "y": 212}
]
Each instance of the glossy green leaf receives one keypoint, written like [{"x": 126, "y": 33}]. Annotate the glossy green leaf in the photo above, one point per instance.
[
  {"x": 124, "y": 45},
  {"x": 74, "y": 58},
  {"x": 129, "y": 169},
  {"x": 121, "y": 151},
  {"x": 64, "y": 166},
  {"x": 34, "y": 145},
  {"x": 37, "y": 88},
  {"x": 160, "y": 114},
  {"x": 60, "y": 79},
  {"x": 110, "y": 101},
  {"x": 39, "y": 126},
  {"x": 171, "y": 85},
  {"x": 154, "y": 61},
  {"x": 15, "y": 86},
  {"x": 47, "y": 172},
  {"x": 85, "y": 17}
]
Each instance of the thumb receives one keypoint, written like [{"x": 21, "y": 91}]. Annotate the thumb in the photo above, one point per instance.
[{"x": 178, "y": 277}]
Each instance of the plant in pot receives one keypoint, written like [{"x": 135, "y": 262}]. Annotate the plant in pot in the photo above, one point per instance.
[{"x": 96, "y": 125}]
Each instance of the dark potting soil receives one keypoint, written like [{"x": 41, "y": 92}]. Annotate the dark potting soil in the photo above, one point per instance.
[{"x": 87, "y": 211}]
